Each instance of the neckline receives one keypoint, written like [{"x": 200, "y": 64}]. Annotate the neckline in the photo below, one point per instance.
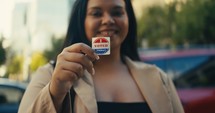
[{"x": 107, "y": 102}]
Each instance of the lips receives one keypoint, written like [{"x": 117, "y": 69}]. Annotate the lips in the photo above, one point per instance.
[{"x": 107, "y": 33}]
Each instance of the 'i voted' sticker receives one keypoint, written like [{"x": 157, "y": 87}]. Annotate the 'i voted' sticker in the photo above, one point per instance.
[{"x": 101, "y": 45}]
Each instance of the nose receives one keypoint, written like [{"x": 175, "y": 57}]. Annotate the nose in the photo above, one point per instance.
[{"x": 108, "y": 19}]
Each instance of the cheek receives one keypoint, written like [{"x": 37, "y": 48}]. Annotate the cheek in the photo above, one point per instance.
[
  {"x": 89, "y": 29},
  {"x": 125, "y": 27}
]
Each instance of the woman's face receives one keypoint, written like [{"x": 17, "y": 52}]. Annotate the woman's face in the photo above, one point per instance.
[{"x": 107, "y": 18}]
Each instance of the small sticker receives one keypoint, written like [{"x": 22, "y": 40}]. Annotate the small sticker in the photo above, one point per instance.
[{"x": 101, "y": 45}]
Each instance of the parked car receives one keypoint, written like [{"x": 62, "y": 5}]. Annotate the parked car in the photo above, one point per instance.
[
  {"x": 196, "y": 88},
  {"x": 11, "y": 93},
  {"x": 193, "y": 73},
  {"x": 177, "y": 62}
]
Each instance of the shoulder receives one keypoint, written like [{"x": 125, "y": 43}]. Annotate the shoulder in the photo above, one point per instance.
[
  {"x": 43, "y": 73},
  {"x": 47, "y": 67},
  {"x": 149, "y": 68},
  {"x": 140, "y": 65}
]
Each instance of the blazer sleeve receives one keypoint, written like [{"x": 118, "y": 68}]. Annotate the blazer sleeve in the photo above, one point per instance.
[
  {"x": 37, "y": 98},
  {"x": 172, "y": 92}
]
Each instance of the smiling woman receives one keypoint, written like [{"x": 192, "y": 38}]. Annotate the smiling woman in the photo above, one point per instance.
[{"x": 80, "y": 81}]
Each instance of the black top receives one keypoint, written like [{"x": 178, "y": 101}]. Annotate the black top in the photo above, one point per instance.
[
  {"x": 117, "y": 107},
  {"x": 114, "y": 107}
]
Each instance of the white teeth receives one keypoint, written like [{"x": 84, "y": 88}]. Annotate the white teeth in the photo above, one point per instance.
[{"x": 107, "y": 33}]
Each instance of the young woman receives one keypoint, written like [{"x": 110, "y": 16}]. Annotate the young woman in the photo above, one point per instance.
[{"x": 113, "y": 83}]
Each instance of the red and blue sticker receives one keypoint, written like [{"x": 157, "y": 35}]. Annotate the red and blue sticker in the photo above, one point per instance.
[{"x": 101, "y": 45}]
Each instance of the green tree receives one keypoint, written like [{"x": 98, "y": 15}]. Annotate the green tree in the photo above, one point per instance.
[
  {"x": 37, "y": 59},
  {"x": 15, "y": 65},
  {"x": 56, "y": 47},
  {"x": 157, "y": 24},
  {"x": 178, "y": 23},
  {"x": 154, "y": 25},
  {"x": 2, "y": 53},
  {"x": 195, "y": 22}
]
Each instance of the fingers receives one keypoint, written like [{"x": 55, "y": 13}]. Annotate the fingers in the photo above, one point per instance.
[
  {"x": 83, "y": 48},
  {"x": 73, "y": 68},
  {"x": 81, "y": 53},
  {"x": 81, "y": 59},
  {"x": 70, "y": 66}
]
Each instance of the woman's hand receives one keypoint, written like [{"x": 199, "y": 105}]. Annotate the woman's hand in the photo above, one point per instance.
[{"x": 70, "y": 66}]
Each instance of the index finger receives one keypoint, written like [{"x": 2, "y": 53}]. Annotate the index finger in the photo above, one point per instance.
[{"x": 84, "y": 49}]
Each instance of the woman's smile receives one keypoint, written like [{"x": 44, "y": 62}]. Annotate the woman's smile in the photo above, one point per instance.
[
  {"x": 107, "y": 18},
  {"x": 107, "y": 33}
]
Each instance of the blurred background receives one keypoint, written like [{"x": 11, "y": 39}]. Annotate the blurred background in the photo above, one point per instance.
[{"x": 176, "y": 35}]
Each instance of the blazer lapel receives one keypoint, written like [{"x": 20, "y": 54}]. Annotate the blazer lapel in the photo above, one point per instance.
[
  {"x": 151, "y": 86},
  {"x": 84, "y": 88}
]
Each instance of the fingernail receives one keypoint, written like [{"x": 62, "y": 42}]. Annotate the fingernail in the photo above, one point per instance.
[
  {"x": 93, "y": 71},
  {"x": 97, "y": 57}
]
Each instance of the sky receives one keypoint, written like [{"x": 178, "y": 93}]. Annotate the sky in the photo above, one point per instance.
[{"x": 6, "y": 7}]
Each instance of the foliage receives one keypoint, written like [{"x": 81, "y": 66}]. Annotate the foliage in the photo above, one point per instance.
[
  {"x": 178, "y": 22},
  {"x": 56, "y": 48},
  {"x": 37, "y": 59},
  {"x": 157, "y": 24},
  {"x": 15, "y": 60},
  {"x": 2, "y": 53},
  {"x": 196, "y": 22},
  {"x": 15, "y": 65},
  {"x": 151, "y": 21}
]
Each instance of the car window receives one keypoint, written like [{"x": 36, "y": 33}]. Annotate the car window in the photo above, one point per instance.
[
  {"x": 202, "y": 76},
  {"x": 10, "y": 95},
  {"x": 175, "y": 67},
  {"x": 183, "y": 64},
  {"x": 209, "y": 74}
]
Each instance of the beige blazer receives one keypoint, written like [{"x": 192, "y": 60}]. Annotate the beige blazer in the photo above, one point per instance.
[{"x": 155, "y": 86}]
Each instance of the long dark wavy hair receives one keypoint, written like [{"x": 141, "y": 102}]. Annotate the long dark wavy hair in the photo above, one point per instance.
[{"x": 76, "y": 31}]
